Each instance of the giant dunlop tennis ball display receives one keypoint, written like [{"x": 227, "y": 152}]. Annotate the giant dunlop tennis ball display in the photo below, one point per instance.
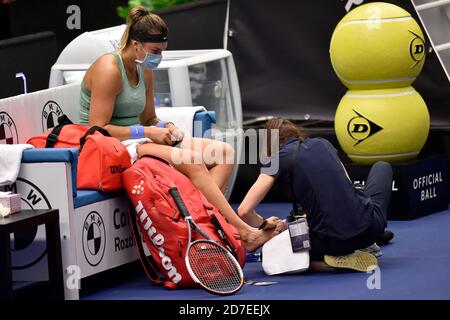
[
  {"x": 377, "y": 45},
  {"x": 385, "y": 124},
  {"x": 377, "y": 51}
]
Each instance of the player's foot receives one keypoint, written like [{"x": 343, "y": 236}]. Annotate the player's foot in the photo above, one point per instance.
[{"x": 254, "y": 238}]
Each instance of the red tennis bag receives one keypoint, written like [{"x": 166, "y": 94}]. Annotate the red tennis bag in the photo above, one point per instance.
[
  {"x": 155, "y": 216},
  {"x": 65, "y": 135},
  {"x": 101, "y": 161}
]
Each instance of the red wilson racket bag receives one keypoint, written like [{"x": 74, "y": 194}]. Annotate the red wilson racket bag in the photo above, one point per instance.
[{"x": 154, "y": 215}]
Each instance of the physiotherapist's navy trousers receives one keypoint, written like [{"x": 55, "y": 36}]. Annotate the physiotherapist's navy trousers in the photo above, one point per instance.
[{"x": 378, "y": 187}]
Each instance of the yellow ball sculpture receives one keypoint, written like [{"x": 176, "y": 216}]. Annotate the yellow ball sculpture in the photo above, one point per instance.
[
  {"x": 377, "y": 45},
  {"x": 388, "y": 124}
]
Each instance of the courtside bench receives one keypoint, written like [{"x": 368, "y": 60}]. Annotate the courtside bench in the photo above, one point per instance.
[{"x": 95, "y": 234}]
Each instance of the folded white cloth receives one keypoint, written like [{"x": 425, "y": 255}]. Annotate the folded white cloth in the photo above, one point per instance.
[
  {"x": 4, "y": 212},
  {"x": 10, "y": 160},
  {"x": 278, "y": 257},
  {"x": 182, "y": 117},
  {"x": 132, "y": 145}
]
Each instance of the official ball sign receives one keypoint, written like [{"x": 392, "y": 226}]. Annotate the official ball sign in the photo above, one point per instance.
[
  {"x": 428, "y": 184},
  {"x": 420, "y": 187}
]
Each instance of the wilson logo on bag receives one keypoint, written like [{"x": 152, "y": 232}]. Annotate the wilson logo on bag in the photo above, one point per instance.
[{"x": 157, "y": 240}]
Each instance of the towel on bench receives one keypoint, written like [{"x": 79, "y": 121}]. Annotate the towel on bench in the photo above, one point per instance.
[{"x": 10, "y": 160}]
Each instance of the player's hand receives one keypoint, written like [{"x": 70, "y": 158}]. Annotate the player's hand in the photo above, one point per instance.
[
  {"x": 159, "y": 135},
  {"x": 177, "y": 134}
]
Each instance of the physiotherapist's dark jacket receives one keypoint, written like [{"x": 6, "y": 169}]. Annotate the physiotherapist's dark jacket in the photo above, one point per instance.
[{"x": 335, "y": 209}]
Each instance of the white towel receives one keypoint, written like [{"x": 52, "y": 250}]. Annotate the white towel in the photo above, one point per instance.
[
  {"x": 278, "y": 258},
  {"x": 10, "y": 160},
  {"x": 182, "y": 117},
  {"x": 132, "y": 144}
]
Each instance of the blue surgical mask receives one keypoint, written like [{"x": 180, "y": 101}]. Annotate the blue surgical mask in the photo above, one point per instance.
[{"x": 151, "y": 60}]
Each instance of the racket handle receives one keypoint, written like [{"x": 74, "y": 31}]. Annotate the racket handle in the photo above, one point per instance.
[
  {"x": 222, "y": 235},
  {"x": 179, "y": 202}
]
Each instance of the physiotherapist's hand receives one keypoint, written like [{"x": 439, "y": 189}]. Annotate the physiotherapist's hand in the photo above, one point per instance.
[
  {"x": 271, "y": 223},
  {"x": 159, "y": 135},
  {"x": 275, "y": 222}
]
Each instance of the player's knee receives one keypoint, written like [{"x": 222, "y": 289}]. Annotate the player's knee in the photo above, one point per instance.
[
  {"x": 223, "y": 153},
  {"x": 196, "y": 170},
  {"x": 228, "y": 153},
  {"x": 195, "y": 158}
]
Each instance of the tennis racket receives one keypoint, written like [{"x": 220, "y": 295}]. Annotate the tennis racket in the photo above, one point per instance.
[{"x": 209, "y": 264}]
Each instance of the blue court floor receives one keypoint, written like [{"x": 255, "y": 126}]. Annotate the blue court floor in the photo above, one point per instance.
[{"x": 416, "y": 265}]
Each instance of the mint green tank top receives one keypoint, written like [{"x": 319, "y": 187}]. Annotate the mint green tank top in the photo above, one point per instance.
[{"x": 130, "y": 102}]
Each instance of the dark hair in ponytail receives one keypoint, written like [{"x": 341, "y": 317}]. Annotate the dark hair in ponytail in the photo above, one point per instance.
[{"x": 287, "y": 129}]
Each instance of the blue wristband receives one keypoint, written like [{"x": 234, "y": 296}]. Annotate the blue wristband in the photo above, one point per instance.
[
  {"x": 161, "y": 124},
  {"x": 137, "y": 132}
]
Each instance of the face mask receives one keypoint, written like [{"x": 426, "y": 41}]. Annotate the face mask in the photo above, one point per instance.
[{"x": 151, "y": 60}]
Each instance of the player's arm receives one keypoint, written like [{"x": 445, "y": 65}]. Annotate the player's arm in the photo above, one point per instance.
[
  {"x": 105, "y": 84},
  {"x": 148, "y": 116},
  {"x": 149, "y": 119}
]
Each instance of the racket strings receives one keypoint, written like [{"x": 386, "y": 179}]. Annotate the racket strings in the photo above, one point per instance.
[{"x": 214, "y": 267}]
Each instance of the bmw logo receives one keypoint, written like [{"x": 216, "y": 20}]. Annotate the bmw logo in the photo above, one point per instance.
[{"x": 94, "y": 238}]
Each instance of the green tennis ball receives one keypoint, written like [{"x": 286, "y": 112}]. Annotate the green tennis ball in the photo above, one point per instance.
[
  {"x": 377, "y": 45},
  {"x": 389, "y": 124}
]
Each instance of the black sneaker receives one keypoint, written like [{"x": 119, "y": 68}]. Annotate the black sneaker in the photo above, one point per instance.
[{"x": 385, "y": 238}]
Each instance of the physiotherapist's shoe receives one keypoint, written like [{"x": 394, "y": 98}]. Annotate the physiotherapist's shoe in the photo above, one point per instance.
[
  {"x": 359, "y": 261},
  {"x": 374, "y": 250},
  {"x": 385, "y": 238}
]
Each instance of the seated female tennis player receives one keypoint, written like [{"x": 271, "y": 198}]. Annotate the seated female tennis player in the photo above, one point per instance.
[
  {"x": 117, "y": 94},
  {"x": 341, "y": 218}
]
